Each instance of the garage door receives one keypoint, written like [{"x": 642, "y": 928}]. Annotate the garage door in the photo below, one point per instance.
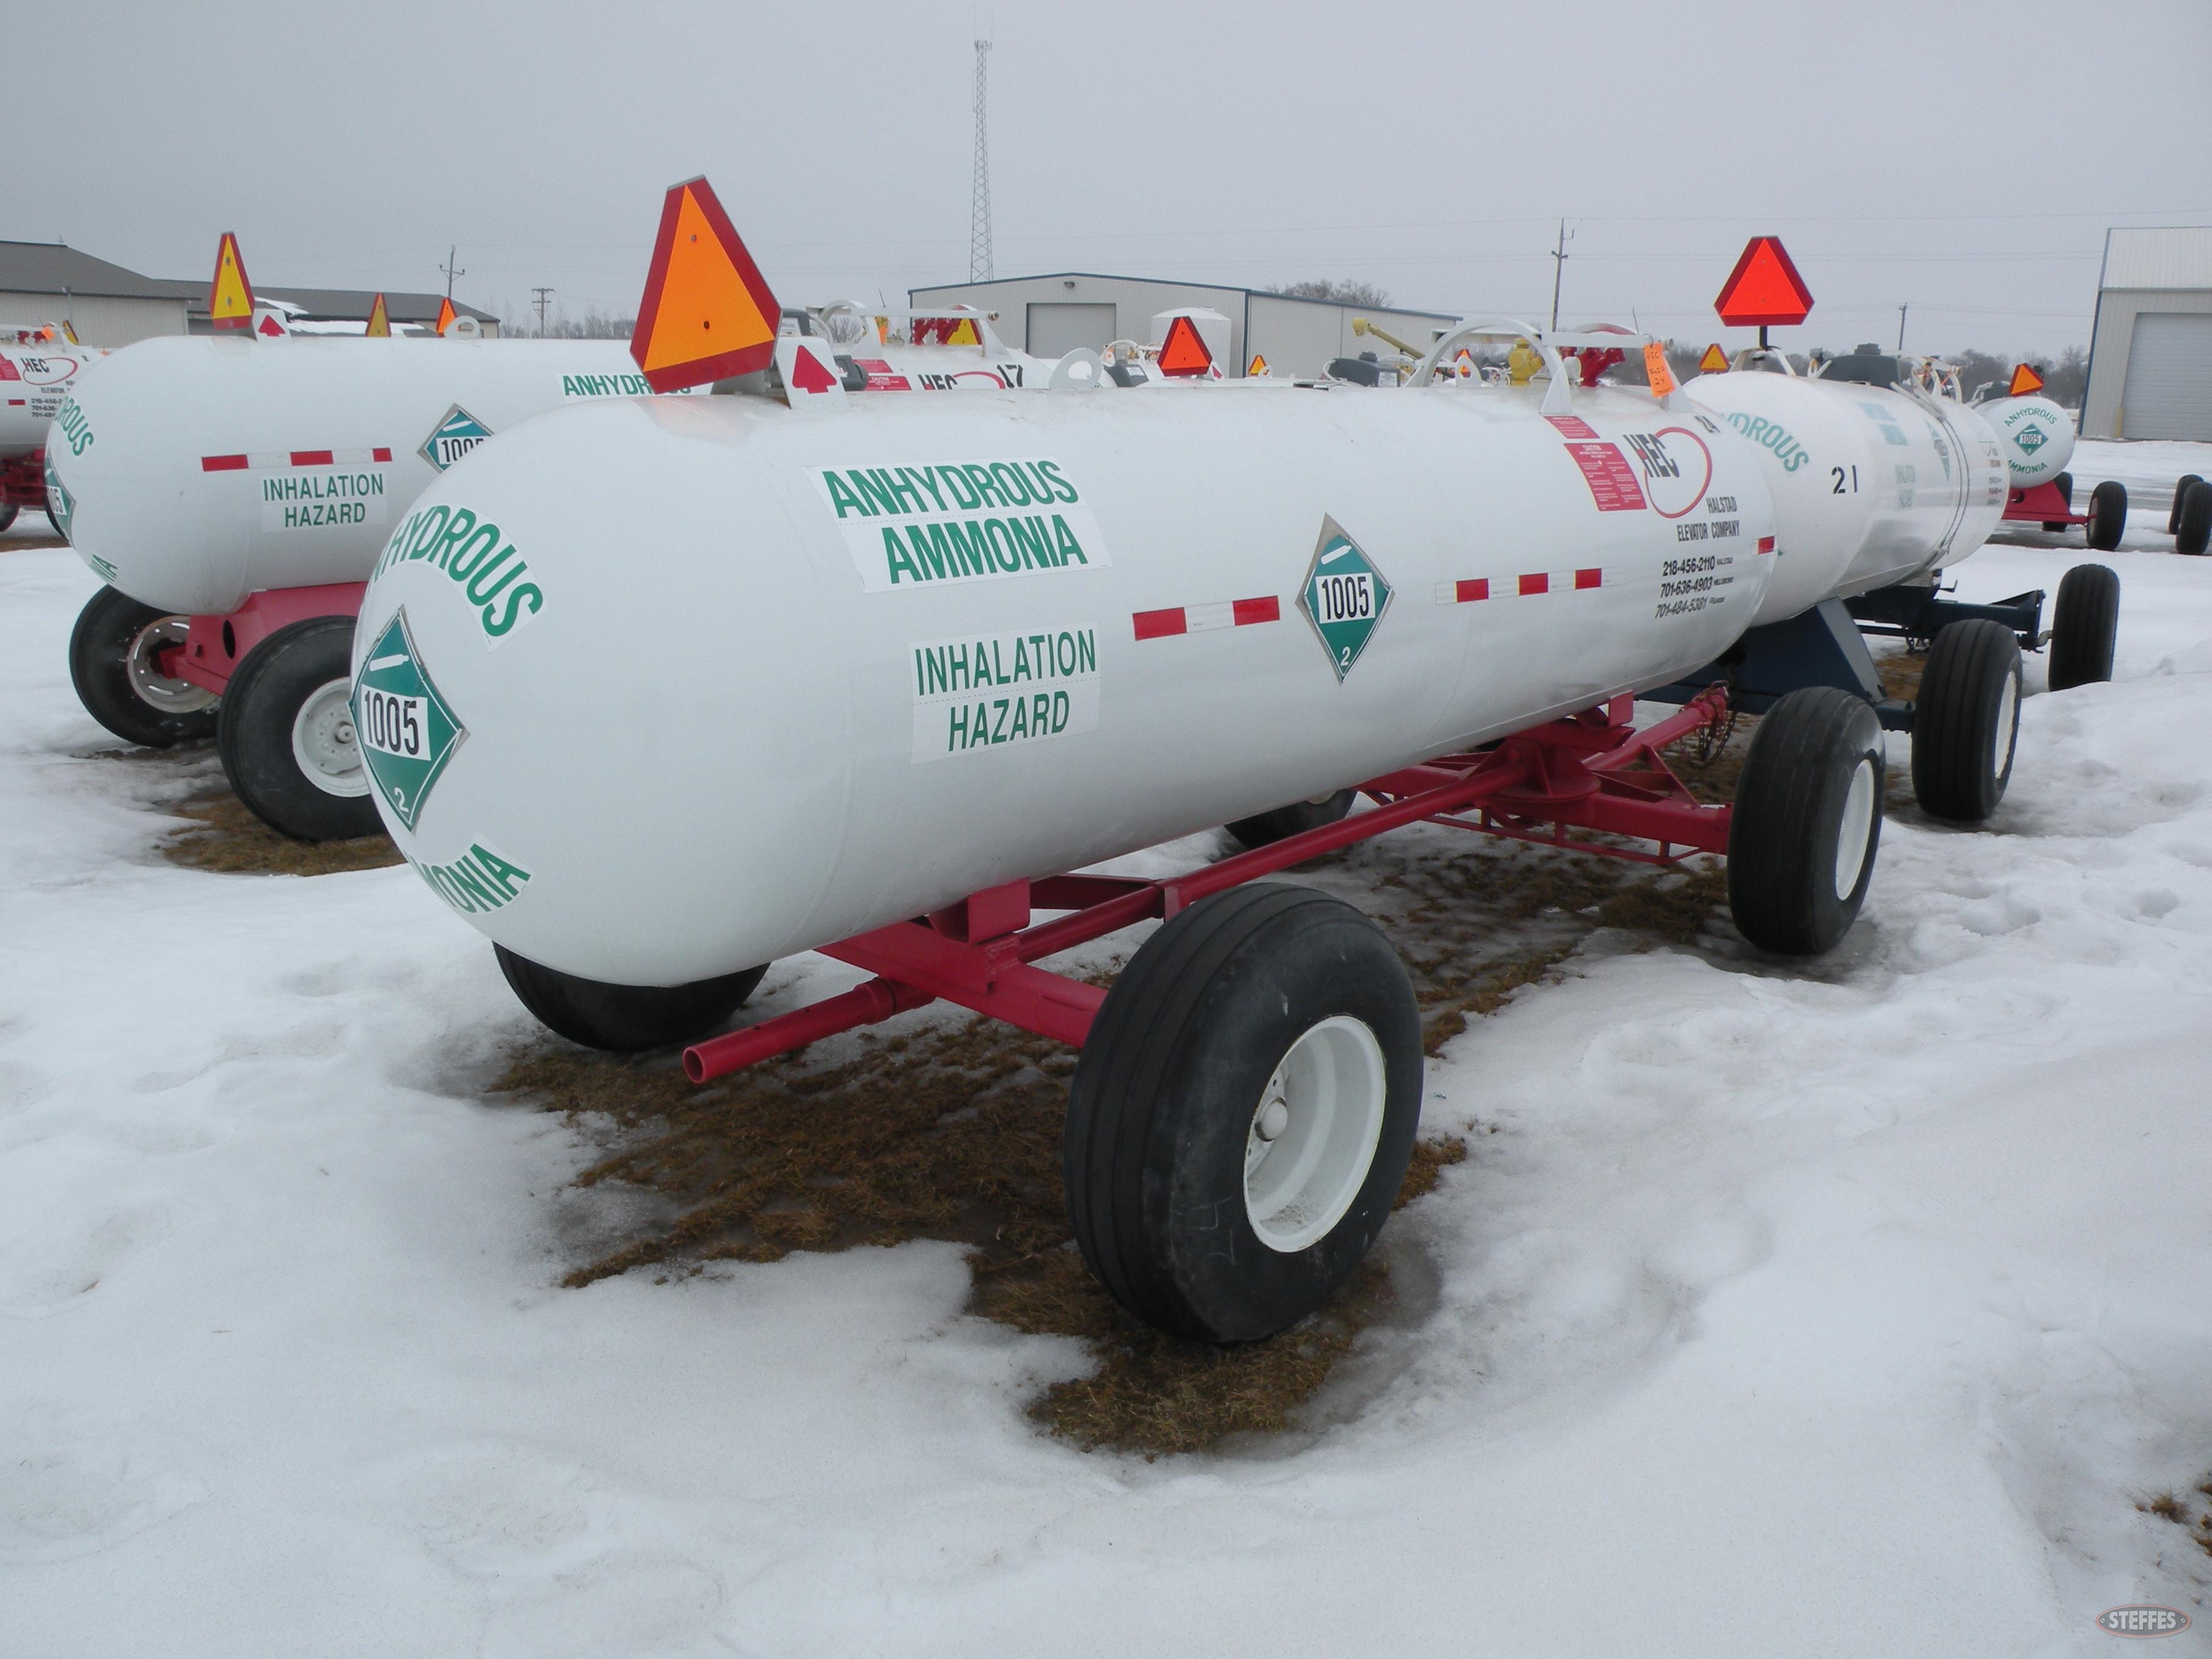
[
  {"x": 2169, "y": 389},
  {"x": 1056, "y": 330}
]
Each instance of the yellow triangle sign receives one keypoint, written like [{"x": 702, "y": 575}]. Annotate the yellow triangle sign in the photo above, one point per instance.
[
  {"x": 445, "y": 313},
  {"x": 964, "y": 333},
  {"x": 1259, "y": 365},
  {"x": 380, "y": 321},
  {"x": 1715, "y": 361},
  {"x": 230, "y": 297},
  {"x": 708, "y": 314}
]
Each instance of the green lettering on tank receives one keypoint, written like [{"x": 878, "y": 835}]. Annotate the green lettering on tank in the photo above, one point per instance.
[
  {"x": 477, "y": 882},
  {"x": 920, "y": 525}
]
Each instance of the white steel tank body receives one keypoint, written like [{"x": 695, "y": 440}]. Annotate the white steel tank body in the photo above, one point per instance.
[
  {"x": 2036, "y": 435},
  {"x": 196, "y": 470},
  {"x": 804, "y": 676},
  {"x": 1870, "y": 486},
  {"x": 34, "y": 385}
]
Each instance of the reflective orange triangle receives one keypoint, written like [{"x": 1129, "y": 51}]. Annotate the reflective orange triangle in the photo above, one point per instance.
[
  {"x": 1763, "y": 289},
  {"x": 1183, "y": 352},
  {"x": 1259, "y": 365},
  {"x": 445, "y": 314},
  {"x": 1715, "y": 361},
  {"x": 380, "y": 320},
  {"x": 2023, "y": 381},
  {"x": 708, "y": 314},
  {"x": 230, "y": 296}
]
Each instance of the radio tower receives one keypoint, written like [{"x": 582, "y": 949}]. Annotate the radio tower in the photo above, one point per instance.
[{"x": 979, "y": 217}]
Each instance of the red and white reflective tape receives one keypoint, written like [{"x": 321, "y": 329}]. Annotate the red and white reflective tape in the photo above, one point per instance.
[
  {"x": 276, "y": 461},
  {"x": 1528, "y": 584},
  {"x": 1197, "y": 618}
]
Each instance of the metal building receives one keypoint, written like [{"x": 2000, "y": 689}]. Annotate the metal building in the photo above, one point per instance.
[
  {"x": 108, "y": 306},
  {"x": 2150, "y": 352},
  {"x": 52, "y": 282},
  {"x": 1049, "y": 315}
]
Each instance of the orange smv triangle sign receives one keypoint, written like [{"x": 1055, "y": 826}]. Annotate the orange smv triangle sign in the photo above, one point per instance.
[
  {"x": 1763, "y": 289},
  {"x": 380, "y": 321},
  {"x": 1183, "y": 352},
  {"x": 708, "y": 314},
  {"x": 230, "y": 296},
  {"x": 2025, "y": 381},
  {"x": 1715, "y": 361},
  {"x": 445, "y": 313}
]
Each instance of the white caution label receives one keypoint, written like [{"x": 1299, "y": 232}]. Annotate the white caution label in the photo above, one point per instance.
[
  {"x": 987, "y": 691},
  {"x": 932, "y": 522}
]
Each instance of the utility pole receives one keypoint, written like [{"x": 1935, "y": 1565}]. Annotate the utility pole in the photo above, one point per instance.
[
  {"x": 1900, "y": 329},
  {"x": 450, "y": 270},
  {"x": 1559, "y": 269},
  {"x": 979, "y": 215},
  {"x": 541, "y": 293}
]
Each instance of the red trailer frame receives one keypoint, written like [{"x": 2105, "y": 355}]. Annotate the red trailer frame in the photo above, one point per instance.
[
  {"x": 214, "y": 646},
  {"x": 1589, "y": 772},
  {"x": 23, "y": 480},
  {"x": 2041, "y": 504}
]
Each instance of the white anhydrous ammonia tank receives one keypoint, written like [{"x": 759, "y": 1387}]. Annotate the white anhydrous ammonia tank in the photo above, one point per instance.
[
  {"x": 197, "y": 470},
  {"x": 2036, "y": 435},
  {"x": 34, "y": 385},
  {"x": 802, "y": 675},
  {"x": 1870, "y": 486}
]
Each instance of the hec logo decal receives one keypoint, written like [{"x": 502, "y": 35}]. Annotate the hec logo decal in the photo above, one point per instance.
[
  {"x": 453, "y": 437},
  {"x": 1344, "y": 597},
  {"x": 407, "y": 731}
]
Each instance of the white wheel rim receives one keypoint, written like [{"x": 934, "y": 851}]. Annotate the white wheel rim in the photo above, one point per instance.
[
  {"x": 1856, "y": 829},
  {"x": 323, "y": 742},
  {"x": 1313, "y": 1134},
  {"x": 148, "y": 684},
  {"x": 2008, "y": 718}
]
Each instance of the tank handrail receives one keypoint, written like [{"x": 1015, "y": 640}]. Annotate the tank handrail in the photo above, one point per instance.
[{"x": 1558, "y": 400}]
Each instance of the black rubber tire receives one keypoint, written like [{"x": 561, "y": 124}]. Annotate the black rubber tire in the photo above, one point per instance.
[
  {"x": 57, "y": 525},
  {"x": 7, "y": 511},
  {"x": 2108, "y": 515},
  {"x": 1965, "y": 726},
  {"x": 2192, "y": 519},
  {"x": 100, "y": 648},
  {"x": 2064, "y": 482},
  {"x": 1164, "y": 1099},
  {"x": 2173, "y": 513},
  {"x": 254, "y": 736},
  {"x": 2085, "y": 627},
  {"x": 1783, "y": 850},
  {"x": 1264, "y": 828},
  {"x": 621, "y": 1019}
]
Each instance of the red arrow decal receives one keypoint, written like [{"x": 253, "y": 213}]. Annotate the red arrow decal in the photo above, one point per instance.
[{"x": 808, "y": 376}]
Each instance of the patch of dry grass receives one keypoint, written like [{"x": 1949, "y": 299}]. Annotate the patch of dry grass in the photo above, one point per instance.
[
  {"x": 2166, "y": 1507},
  {"x": 229, "y": 839},
  {"x": 1899, "y": 673},
  {"x": 952, "y": 1131}
]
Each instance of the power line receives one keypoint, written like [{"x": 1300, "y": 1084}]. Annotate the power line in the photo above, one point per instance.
[{"x": 542, "y": 293}]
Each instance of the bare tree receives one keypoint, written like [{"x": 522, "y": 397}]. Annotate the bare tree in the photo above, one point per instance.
[{"x": 1343, "y": 289}]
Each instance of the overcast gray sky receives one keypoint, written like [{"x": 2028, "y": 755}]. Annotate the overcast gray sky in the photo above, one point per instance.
[{"x": 1962, "y": 157}]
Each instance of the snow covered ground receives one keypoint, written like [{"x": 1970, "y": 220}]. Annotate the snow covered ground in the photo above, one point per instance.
[{"x": 1840, "y": 1309}]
